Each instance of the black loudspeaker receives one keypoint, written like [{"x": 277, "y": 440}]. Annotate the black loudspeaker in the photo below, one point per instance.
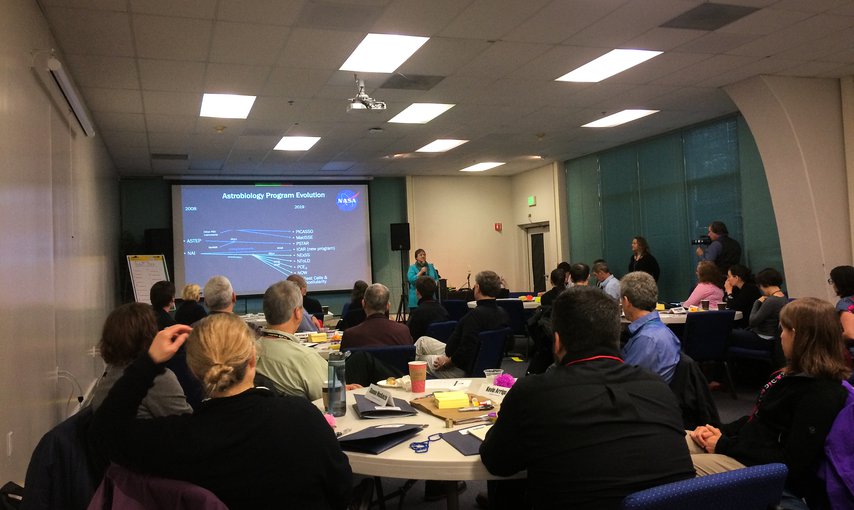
[{"x": 399, "y": 233}]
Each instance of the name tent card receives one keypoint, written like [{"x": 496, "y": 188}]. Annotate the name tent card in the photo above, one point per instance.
[
  {"x": 494, "y": 392},
  {"x": 379, "y": 396}
]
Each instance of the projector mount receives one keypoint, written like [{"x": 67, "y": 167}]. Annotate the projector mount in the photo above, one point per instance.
[{"x": 363, "y": 101}]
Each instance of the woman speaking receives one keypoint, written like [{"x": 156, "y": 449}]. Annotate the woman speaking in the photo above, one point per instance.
[{"x": 420, "y": 268}]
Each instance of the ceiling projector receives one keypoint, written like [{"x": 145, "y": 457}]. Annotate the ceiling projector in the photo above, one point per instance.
[{"x": 363, "y": 101}]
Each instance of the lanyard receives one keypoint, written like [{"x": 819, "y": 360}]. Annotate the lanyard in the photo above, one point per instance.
[
  {"x": 615, "y": 358},
  {"x": 770, "y": 384}
]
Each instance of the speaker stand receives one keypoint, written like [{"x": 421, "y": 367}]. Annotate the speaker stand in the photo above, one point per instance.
[{"x": 403, "y": 307}]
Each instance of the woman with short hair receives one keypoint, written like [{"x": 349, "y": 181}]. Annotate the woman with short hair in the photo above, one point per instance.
[
  {"x": 190, "y": 310},
  {"x": 251, "y": 448},
  {"x": 793, "y": 412},
  {"x": 127, "y": 332}
]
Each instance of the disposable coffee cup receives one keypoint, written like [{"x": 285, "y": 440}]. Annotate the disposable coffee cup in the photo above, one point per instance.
[
  {"x": 721, "y": 306},
  {"x": 418, "y": 375},
  {"x": 491, "y": 374},
  {"x": 704, "y": 304}
]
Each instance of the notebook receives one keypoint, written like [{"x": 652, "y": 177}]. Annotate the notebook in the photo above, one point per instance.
[{"x": 379, "y": 438}]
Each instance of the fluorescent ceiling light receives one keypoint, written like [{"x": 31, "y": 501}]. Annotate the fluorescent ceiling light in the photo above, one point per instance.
[
  {"x": 608, "y": 65},
  {"x": 480, "y": 167},
  {"x": 441, "y": 145},
  {"x": 421, "y": 113},
  {"x": 296, "y": 143},
  {"x": 382, "y": 53},
  {"x": 620, "y": 118},
  {"x": 226, "y": 106}
]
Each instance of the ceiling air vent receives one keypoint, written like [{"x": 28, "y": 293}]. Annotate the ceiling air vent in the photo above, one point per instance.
[{"x": 709, "y": 16}]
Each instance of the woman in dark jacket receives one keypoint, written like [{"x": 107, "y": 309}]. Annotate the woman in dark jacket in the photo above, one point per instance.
[
  {"x": 642, "y": 259},
  {"x": 795, "y": 409},
  {"x": 740, "y": 292}
]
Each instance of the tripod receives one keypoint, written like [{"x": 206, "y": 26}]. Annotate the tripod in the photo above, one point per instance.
[{"x": 403, "y": 307}]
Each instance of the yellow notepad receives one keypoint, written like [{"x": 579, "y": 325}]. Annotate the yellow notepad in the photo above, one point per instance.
[{"x": 451, "y": 399}]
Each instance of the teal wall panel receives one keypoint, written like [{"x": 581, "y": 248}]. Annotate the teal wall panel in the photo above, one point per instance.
[
  {"x": 762, "y": 241},
  {"x": 585, "y": 214},
  {"x": 668, "y": 189},
  {"x": 663, "y": 212},
  {"x": 618, "y": 170},
  {"x": 388, "y": 205}
]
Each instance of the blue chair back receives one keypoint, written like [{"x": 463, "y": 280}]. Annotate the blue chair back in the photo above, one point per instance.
[
  {"x": 516, "y": 312},
  {"x": 457, "y": 308},
  {"x": 490, "y": 350},
  {"x": 441, "y": 330},
  {"x": 395, "y": 356},
  {"x": 751, "y": 488},
  {"x": 706, "y": 334}
]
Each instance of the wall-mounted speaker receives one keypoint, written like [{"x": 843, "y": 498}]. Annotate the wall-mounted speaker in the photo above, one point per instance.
[{"x": 399, "y": 234}]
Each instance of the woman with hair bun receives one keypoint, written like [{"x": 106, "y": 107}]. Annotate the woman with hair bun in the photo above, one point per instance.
[{"x": 251, "y": 448}]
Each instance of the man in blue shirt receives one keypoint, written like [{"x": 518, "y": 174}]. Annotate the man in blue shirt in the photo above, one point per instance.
[
  {"x": 652, "y": 345},
  {"x": 607, "y": 282}
]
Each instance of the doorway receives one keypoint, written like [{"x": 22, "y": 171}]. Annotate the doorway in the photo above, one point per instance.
[{"x": 539, "y": 255}]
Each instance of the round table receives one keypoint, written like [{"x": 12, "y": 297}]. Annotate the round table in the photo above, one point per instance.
[{"x": 441, "y": 462}]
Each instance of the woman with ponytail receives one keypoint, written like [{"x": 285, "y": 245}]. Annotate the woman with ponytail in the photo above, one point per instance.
[{"x": 252, "y": 449}]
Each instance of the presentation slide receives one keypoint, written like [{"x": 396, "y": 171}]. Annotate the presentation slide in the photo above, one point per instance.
[{"x": 257, "y": 235}]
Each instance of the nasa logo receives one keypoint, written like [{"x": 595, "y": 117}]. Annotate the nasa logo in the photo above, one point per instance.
[{"x": 347, "y": 200}]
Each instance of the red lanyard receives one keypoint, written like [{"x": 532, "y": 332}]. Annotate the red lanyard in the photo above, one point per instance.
[{"x": 593, "y": 358}]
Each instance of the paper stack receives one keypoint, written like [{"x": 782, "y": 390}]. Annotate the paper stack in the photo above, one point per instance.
[{"x": 451, "y": 399}]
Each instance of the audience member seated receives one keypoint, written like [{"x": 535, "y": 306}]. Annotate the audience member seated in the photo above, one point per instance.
[
  {"x": 311, "y": 305},
  {"x": 764, "y": 317},
  {"x": 607, "y": 282},
  {"x": 219, "y": 295},
  {"x": 579, "y": 274},
  {"x": 293, "y": 368},
  {"x": 354, "y": 314},
  {"x": 651, "y": 345},
  {"x": 309, "y": 322},
  {"x": 793, "y": 412},
  {"x": 162, "y": 296},
  {"x": 377, "y": 329},
  {"x": 558, "y": 280},
  {"x": 708, "y": 287},
  {"x": 842, "y": 279},
  {"x": 220, "y": 299},
  {"x": 127, "y": 333},
  {"x": 428, "y": 311},
  {"x": 740, "y": 292},
  {"x": 593, "y": 429},
  {"x": 190, "y": 310},
  {"x": 236, "y": 443},
  {"x": 642, "y": 259},
  {"x": 566, "y": 268},
  {"x": 454, "y": 359}
]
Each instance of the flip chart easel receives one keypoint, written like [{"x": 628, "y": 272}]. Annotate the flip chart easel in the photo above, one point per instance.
[{"x": 145, "y": 271}]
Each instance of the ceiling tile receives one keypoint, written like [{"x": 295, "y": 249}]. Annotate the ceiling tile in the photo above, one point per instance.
[
  {"x": 502, "y": 58},
  {"x": 292, "y": 83},
  {"x": 172, "y": 103},
  {"x": 171, "y": 75},
  {"x": 272, "y": 12},
  {"x": 158, "y": 123},
  {"x": 112, "y": 100},
  {"x": 628, "y": 22},
  {"x": 417, "y": 17},
  {"x": 107, "y": 33},
  {"x": 106, "y": 72},
  {"x": 561, "y": 19},
  {"x": 203, "y": 9},
  {"x": 112, "y": 121},
  {"x": 166, "y": 38},
  {"x": 318, "y": 49},
  {"x": 98, "y": 5},
  {"x": 491, "y": 19},
  {"x": 235, "y": 79},
  {"x": 705, "y": 69},
  {"x": 243, "y": 43}
]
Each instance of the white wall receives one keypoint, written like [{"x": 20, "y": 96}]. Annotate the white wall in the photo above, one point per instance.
[
  {"x": 452, "y": 219},
  {"x": 59, "y": 231},
  {"x": 798, "y": 127},
  {"x": 547, "y": 185}
]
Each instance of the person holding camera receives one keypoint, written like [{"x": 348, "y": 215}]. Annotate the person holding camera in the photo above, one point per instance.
[
  {"x": 420, "y": 268},
  {"x": 723, "y": 250}
]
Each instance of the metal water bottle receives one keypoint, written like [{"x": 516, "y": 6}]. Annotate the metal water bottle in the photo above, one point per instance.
[{"x": 337, "y": 385}]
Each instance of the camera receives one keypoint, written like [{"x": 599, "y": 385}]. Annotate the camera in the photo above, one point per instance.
[{"x": 702, "y": 241}]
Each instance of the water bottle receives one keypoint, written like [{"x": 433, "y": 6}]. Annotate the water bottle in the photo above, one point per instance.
[{"x": 337, "y": 385}]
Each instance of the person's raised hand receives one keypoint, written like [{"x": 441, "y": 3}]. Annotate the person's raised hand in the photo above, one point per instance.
[{"x": 167, "y": 342}]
